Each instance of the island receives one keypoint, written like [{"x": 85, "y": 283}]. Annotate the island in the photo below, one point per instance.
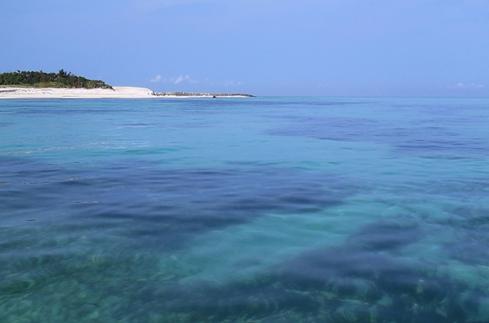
[{"x": 65, "y": 85}]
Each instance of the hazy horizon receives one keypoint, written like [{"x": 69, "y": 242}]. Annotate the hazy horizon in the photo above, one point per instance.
[{"x": 318, "y": 48}]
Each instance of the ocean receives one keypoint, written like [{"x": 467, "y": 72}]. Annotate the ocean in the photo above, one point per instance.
[{"x": 280, "y": 209}]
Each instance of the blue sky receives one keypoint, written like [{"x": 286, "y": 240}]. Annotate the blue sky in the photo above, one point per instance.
[{"x": 267, "y": 47}]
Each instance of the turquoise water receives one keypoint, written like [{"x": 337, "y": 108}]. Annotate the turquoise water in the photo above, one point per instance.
[{"x": 259, "y": 210}]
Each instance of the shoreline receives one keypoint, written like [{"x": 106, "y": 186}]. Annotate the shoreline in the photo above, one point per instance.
[
  {"x": 118, "y": 92},
  {"x": 121, "y": 92}
]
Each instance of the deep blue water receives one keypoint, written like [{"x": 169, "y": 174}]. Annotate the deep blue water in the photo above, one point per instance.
[{"x": 259, "y": 210}]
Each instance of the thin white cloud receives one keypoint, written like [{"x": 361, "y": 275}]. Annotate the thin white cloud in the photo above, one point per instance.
[
  {"x": 227, "y": 83},
  {"x": 182, "y": 79},
  {"x": 186, "y": 79},
  {"x": 468, "y": 86},
  {"x": 175, "y": 80},
  {"x": 232, "y": 83},
  {"x": 156, "y": 79}
]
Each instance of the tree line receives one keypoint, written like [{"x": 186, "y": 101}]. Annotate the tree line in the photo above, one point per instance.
[{"x": 61, "y": 79}]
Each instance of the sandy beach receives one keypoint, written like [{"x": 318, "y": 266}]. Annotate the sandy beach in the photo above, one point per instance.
[{"x": 119, "y": 92}]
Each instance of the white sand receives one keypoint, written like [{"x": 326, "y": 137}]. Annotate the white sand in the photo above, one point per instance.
[{"x": 119, "y": 92}]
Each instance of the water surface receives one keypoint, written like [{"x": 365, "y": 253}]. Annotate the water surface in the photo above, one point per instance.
[{"x": 256, "y": 210}]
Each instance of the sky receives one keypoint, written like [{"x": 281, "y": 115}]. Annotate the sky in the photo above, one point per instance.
[{"x": 264, "y": 47}]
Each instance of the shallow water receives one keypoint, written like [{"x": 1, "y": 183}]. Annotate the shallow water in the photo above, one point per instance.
[{"x": 259, "y": 210}]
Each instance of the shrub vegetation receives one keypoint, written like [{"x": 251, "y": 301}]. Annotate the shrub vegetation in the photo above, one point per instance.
[{"x": 62, "y": 79}]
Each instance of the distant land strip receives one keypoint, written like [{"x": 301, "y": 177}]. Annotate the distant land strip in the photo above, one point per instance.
[
  {"x": 60, "y": 85},
  {"x": 202, "y": 94}
]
